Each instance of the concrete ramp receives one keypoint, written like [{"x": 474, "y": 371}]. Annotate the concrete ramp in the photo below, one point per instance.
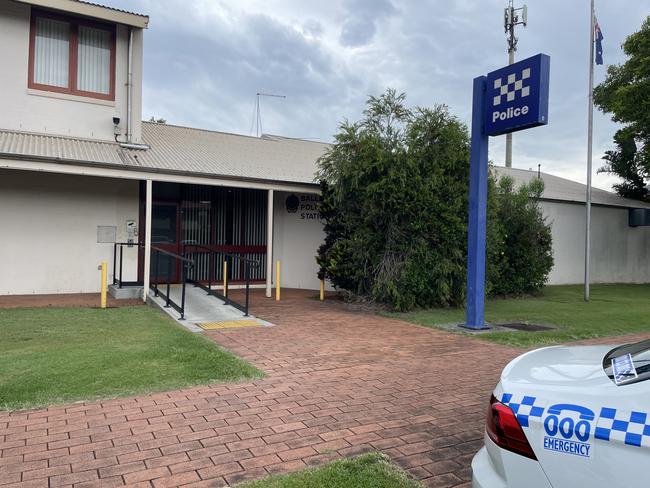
[{"x": 205, "y": 312}]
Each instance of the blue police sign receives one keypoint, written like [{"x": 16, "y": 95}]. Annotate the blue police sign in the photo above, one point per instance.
[
  {"x": 517, "y": 96},
  {"x": 506, "y": 100}
]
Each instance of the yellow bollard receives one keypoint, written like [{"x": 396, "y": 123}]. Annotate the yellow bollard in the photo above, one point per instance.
[
  {"x": 277, "y": 280},
  {"x": 225, "y": 278},
  {"x": 103, "y": 296},
  {"x": 322, "y": 290}
]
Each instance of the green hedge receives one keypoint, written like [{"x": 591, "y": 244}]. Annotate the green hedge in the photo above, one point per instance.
[{"x": 395, "y": 188}]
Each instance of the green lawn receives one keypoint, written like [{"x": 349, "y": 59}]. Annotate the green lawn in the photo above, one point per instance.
[
  {"x": 613, "y": 310},
  {"x": 57, "y": 355},
  {"x": 368, "y": 471}
]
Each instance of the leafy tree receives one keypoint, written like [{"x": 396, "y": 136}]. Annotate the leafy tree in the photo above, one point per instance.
[
  {"x": 395, "y": 205},
  {"x": 395, "y": 188},
  {"x": 157, "y": 120},
  {"x": 520, "y": 244},
  {"x": 625, "y": 94}
]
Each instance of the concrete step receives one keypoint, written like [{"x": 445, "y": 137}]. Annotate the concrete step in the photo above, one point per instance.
[{"x": 126, "y": 292}]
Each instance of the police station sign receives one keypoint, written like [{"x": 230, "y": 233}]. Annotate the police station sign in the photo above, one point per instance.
[
  {"x": 509, "y": 99},
  {"x": 517, "y": 96}
]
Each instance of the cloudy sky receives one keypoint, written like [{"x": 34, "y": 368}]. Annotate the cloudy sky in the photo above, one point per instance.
[{"x": 206, "y": 59}]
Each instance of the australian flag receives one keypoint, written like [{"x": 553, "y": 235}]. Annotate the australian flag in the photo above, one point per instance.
[{"x": 599, "y": 42}]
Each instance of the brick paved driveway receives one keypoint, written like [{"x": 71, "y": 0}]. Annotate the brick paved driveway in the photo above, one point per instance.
[{"x": 339, "y": 383}]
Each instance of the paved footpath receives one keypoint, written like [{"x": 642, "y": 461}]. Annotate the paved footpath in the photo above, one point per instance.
[{"x": 338, "y": 384}]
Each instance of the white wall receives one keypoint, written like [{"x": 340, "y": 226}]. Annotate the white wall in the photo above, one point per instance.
[
  {"x": 40, "y": 111},
  {"x": 296, "y": 238},
  {"x": 619, "y": 253},
  {"x": 48, "y": 229}
]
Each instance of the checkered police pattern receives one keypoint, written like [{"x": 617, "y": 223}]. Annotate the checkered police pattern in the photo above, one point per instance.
[
  {"x": 523, "y": 407},
  {"x": 510, "y": 86},
  {"x": 631, "y": 428}
]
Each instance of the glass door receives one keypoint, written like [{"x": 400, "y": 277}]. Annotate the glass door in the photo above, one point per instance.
[{"x": 164, "y": 235}]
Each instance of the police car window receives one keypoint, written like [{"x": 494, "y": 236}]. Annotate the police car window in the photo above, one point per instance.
[{"x": 637, "y": 358}]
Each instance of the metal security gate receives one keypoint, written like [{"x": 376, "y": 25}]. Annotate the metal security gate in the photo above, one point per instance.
[{"x": 226, "y": 220}]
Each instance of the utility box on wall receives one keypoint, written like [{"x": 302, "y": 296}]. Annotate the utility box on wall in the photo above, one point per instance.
[{"x": 639, "y": 217}]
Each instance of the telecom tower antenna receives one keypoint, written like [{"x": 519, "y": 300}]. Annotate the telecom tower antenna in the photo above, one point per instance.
[
  {"x": 512, "y": 17},
  {"x": 258, "y": 113}
]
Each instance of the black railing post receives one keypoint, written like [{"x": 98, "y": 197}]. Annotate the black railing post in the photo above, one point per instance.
[
  {"x": 210, "y": 271},
  {"x": 115, "y": 263},
  {"x": 184, "y": 272},
  {"x": 156, "y": 273},
  {"x": 169, "y": 279},
  {"x": 121, "y": 259},
  {"x": 248, "y": 282}
]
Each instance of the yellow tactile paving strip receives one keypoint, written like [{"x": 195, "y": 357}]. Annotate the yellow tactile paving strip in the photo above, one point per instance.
[{"x": 229, "y": 324}]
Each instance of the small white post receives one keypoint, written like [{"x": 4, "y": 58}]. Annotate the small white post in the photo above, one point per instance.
[
  {"x": 147, "y": 240},
  {"x": 269, "y": 245}
]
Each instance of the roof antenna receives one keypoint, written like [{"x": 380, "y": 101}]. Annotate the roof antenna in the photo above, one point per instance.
[{"x": 258, "y": 113}]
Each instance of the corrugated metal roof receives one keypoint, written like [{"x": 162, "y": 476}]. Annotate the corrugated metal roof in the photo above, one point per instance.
[
  {"x": 181, "y": 149},
  {"x": 26, "y": 144},
  {"x": 556, "y": 188},
  {"x": 94, "y": 10},
  {"x": 177, "y": 149},
  {"x": 218, "y": 153},
  {"x": 111, "y": 8}
]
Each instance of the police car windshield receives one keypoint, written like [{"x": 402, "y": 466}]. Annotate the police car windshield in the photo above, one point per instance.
[{"x": 629, "y": 363}]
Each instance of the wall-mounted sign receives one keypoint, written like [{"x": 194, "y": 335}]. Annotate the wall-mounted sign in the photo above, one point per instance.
[
  {"x": 517, "y": 96},
  {"x": 293, "y": 202},
  {"x": 305, "y": 206}
]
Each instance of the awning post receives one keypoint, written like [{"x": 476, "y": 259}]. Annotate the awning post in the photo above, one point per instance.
[
  {"x": 269, "y": 244},
  {"x": 147, "y": 241}
]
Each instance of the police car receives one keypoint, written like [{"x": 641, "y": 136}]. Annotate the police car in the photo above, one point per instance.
[{"x": 569, "y": 417}]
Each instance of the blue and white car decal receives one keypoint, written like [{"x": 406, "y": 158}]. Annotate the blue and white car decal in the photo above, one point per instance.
[
  {"x": 523, "y": 406},
  {"x": 631, "y": 428},
  {"x": 569, "y": 428}
]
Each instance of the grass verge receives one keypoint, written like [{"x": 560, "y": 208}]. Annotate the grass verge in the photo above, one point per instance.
[
  {"x": 58, "y": 355},
  {"x": 613, "y": 310},
  {"x": 372, "y": 470}
]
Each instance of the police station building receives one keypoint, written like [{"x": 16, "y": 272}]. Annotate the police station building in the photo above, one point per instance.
[{"x": 83, "y": 180}]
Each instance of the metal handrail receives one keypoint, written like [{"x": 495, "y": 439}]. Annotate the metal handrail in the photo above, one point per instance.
[
  {"x": 248, "y": 264},
  {"x": 155, "y": 281},
  {"x": 117, "y": 271},
  {"x": 185, "y": 265}
]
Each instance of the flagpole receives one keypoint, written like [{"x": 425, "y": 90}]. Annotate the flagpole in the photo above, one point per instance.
[{"x": 590, "y": 131}]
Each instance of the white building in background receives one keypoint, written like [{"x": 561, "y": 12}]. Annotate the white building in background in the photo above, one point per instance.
[
  {"x": 620, "y": 253},
  {"x": 80, "y": 174}
]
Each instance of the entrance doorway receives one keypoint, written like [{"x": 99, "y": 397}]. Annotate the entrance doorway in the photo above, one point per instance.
[
  {"x": 196, "y": 219},
  {"x": 164, "y": 235}
]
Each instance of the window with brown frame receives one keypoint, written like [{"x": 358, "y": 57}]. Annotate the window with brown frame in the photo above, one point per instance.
[{"x": 71, "y": 55}]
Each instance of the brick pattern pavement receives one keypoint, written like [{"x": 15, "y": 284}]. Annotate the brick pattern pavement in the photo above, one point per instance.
[{"x": 339, "y": 384}]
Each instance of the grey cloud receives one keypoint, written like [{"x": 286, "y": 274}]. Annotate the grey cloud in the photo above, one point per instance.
[
  {"x": 204, "y": 62},
  {"x": 361, "y": 18}
]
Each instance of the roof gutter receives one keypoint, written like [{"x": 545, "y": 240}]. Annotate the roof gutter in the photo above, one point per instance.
[{"x": 307, "y": 187}]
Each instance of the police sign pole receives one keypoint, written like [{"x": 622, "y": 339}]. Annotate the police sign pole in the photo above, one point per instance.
[{"x": 506, "y": 100}]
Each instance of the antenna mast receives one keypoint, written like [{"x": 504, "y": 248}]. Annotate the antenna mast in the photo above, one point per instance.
[
  {"x": 258, "y": 113},
  {"x": 512, "y": 17}
]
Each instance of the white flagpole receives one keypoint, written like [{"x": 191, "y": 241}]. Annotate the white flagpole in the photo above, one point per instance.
[{"x": 589, "y": 149}]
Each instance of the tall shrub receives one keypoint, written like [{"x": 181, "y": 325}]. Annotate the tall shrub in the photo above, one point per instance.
[
  {"x": 521, "y": 242},
  {"x": 395, "y": 205},
  {"x": 395, "y": 188}
]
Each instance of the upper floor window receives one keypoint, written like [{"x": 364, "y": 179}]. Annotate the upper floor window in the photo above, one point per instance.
[{"x": 69, "y": 55}]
